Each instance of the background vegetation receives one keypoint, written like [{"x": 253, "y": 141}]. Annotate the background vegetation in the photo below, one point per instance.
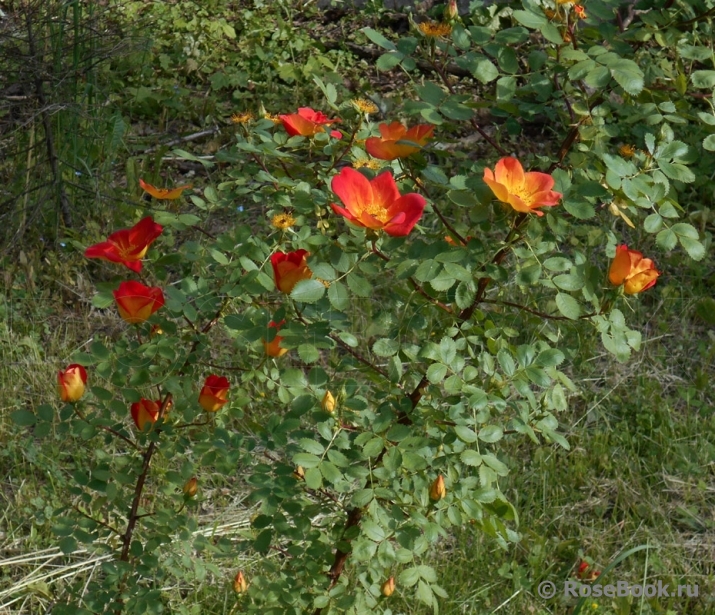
[{"x": 97, "y": 94}]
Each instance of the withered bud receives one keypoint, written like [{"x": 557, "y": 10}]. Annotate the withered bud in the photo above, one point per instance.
[
  {"x": 240, "y": 585},
  {"x": 191, "y": 487},
  {"x": 437, "y": 489},
  {"x": 388, "y": 587}
]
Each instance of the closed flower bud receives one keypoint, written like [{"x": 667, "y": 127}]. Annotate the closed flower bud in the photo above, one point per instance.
[
  {"x": 240, "y": 585},
  {"x": 328, "y": 403},
  {"x": 70, "y": 382},
  {"x": 191, "y": 487},
  {"x": 214, "y": 393},
  {"x": 388, "y": 587},
  {"x": 437, "y": 489},
  {"x": 299, "y": 473},
  {"x": 451, "y": 12}
]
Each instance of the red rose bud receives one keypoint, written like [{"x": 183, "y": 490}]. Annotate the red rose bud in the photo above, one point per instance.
[
  {"x": 525, "y": 192},
  {"x": 437, "y": 489},
  {"x": 240, "y": 585},
  {"x": 451, "y": 12},
  {"x": 376, "y": 204},
  {"x": 388, "y": 587},
  {"x": 213, "y": 394},
  {"x": 631, "y": 270},
  {"x": 127, "y": 246},
  {"x": 289, "y": 269},
  {"x": 586, "y": 573},
  {"x": 145, "y": 411},
  {"x": 191, "y": 487},
  {"x": 395, "y": 140},
  {"x": 273, "y": 349},
  {"x": 136, "y": 302},
  {"x": 71, "y": 382},
  {"x": 307, "y": 123}
]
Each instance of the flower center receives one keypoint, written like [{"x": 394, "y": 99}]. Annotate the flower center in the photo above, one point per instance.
[{"x": 378, "y": 212}]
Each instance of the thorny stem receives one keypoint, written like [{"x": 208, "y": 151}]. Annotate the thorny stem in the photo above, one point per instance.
[{"x": 149, "y": 453}]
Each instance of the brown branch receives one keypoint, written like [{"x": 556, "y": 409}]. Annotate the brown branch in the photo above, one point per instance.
[
  {"x": 98, "y": 521},
  {"x": 359, "y": 357},
  {"x": 107, "y": 429}
]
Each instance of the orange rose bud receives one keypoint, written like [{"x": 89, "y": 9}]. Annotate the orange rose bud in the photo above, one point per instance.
[
  {"x": 165, "y": 194},
  {"x": 525, "y": 192},
  {"x": 631, "y": 270},
  {"x": 580, "y": 11},
  {"x": 289, "y": 269},
  {"x": 71, "y": 382},
  {"x": 273, "y": 349},
  {"x": 376, "y": 204},
  {"x": 145, "y": 411},
  {"x": 214, "y": 392},
  {"x": 127, "y": 246},
  {"x": 586, "y": 573},
  {"x": 191, "y": 487},
  {"x": 240, "y": 585},
  {"x": 437, "y": 489},
  {"x": 393, "y": 140},
  {"x": 388, "y": 587},
  {"x": 307, "y": 123},
  {"x": 328, "y": 403},
  {"x": 136, "y": 302}
]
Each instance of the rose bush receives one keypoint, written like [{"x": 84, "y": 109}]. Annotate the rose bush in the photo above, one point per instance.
[{"x": 459, "y": 348}]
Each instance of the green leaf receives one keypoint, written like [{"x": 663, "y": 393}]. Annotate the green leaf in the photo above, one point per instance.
[
  {"x": 23, "y": 418},
  {"x": 568, "y": 306},
  {"x": 385, "y": 347},
  {"x": 627, "y": 74},
  {"x": 103, "y": 299},
  {"x": 378, "y": 39},
  {"x": 338, "y": 296},
  {"x": 491, "y": 433},
  {"x": 677, "y": 171},
  {"x": 431, "y": 93},
  {"x": 530, "y": 20},
  {"x": 308, "y": 353},
  {"x": 388, "y": 61},
  {"x": 709, "y": 143},
  {"x": 693, "y": 247},
  {"x": 471, "y": 458},
  {"x": 436, "y": 372},
  {"x": 485, "y": 71},
  {"x": 551, "y": 33},
  {"x": 703, "y": 78},
  {"x": 466, "y": 292},
  {"x": 666, "y": 239},
  {"x": 307, "y": 460},
  {"x": 465, "y": 434},
  {"x": 308, "y": 291}
]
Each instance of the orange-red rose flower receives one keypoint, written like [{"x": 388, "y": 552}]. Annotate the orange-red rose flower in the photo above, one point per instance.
[
  {"x": 307, "y": 123},
  {"x": 390, "y": 145},
  {"x": 145, "y": 411},
  {"x": 632, "y": 270},
  {"x": 165, "y": 194},
  {"x": 525, "y": 192},
  {"x": 214, "y": 392},
  {"x": 273, "y": 349},
  {"x": 127, "y": 246},
  {"x": 136, "y": 302},
  {"x": 191, "y": 487},
  {"x": 580, "y": 11},
  {"x": 586, "y": 573},
  {"x": 289, "y": 269},
  {"x": 376, "y": 204},
  {"x": 71, "y": 381}
]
